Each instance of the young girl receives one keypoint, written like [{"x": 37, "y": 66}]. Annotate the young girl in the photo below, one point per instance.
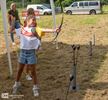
[
  {"x": 29, "y": 42},
  {"x": 30, "y": 11},
  {"x": 39, "y": 31}
]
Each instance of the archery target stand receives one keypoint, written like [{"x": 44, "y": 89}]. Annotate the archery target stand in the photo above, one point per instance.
[{"x": 73, "y": 79}]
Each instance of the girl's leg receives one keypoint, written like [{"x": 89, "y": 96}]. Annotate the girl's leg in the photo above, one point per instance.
[
  {"x": 12, "y": 28},
  {"x": 27, "y": 69},
  {"x": 34, "y": 75},
  {"x": 12, "y": 36},
  {"x": 28, "y": 76},
  {"x": 19, "y": 73},
  {"x": 17, "y": 83},
  {"x": 35, "y": 82}
]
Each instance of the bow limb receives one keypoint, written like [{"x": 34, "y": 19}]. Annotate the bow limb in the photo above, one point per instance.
[{"x": 60, "y": 26}]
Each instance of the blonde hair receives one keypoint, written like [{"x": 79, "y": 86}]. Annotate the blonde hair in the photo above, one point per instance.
[
  {"x": 30, "y": 17},
  {"x": 12, "y": 4}
]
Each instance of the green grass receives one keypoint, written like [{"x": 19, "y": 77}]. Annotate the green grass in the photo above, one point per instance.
[
  {"x": 47, "y": 21},
  {"x": 1, "y": 24},
  {"x": 105, "y": 8},
  {"x": 89, "y": 20}
]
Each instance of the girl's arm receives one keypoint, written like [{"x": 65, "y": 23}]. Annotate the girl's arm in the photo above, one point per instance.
[
  {"x": 48, "y": 30},
  {"x": 51, "y": 30},
  {"x": 35, "y": 33}
]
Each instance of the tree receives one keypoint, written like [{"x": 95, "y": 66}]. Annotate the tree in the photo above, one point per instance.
[{"x": 64, "y": 2}]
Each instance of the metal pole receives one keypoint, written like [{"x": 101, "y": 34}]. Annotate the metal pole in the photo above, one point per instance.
[
  {"x": 94, "y": 39},
  {"x": 5, "y": 26},
  {"x": 91, "y": 49},
  {"x": 73, "y": 84},
  {"x": 76, "y": 54},
  {"x": 54, "y": 18}
]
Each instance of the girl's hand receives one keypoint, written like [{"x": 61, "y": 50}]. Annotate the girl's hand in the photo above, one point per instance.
[
  {"x": 58, "y": 30},
  {"x": 21, "y": 26}
]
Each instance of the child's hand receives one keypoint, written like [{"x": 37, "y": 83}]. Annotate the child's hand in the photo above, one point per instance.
[
  {"x": 11, "y": 29},
  {"x": 21, "y": 26},
  {"x": 58, "y": 30}
]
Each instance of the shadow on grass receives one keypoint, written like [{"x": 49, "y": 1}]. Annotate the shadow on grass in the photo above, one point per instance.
[{"x": 53, "y": 70}]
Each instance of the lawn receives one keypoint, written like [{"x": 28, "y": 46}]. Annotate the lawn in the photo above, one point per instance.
[{"x": 54, "y": 66}]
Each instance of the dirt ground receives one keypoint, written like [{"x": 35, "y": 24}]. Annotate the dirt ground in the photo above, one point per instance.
[{"x": 54, "y": 66}]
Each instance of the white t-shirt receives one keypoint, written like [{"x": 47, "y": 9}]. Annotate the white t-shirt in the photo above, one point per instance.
[{"x": 27, "y": 42}]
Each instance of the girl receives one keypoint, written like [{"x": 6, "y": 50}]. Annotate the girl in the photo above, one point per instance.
[
  {"x": 29, "y": 42},
  {"x": 40, "y": 33},
  {"x": 30, "y": 11}
]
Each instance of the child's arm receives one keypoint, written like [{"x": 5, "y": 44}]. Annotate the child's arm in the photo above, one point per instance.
[
  {"x": 51, "y": 30},
  {"x": 35, "y": 33}
]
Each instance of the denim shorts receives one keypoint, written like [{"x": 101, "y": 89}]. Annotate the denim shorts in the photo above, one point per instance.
[
  {"x": 27, "y": 56},
  {"x": 17, "y": 24}
]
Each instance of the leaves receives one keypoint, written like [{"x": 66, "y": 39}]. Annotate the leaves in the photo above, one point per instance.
[{"x": 64, "y": 2}]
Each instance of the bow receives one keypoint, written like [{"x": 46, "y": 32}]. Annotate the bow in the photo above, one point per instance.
[{"x": 60, "y": 26}]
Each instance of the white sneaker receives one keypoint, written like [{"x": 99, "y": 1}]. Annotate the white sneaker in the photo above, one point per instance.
[
  {"x": 36, "y": 92},
  {"x": 16, "y": 87},
  {"x": 28, "y": 77}
]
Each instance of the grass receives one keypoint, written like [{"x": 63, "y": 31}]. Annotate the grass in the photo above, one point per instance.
[
  {"x": 105, "y": 8},
  {"x": 1, "y": 25},
  {"x": 92, "y": 20}
]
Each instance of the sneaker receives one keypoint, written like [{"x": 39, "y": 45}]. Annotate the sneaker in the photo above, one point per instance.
[
  {"x": 28, "y": 77},
  {"x": 36, "y": 92},
  {"x": 16, "y": 87}
]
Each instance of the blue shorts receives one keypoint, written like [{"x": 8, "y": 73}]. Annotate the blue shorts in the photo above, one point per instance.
[
  {"x": 27, "y": 56},
  {"x": 17, "y": 24}
]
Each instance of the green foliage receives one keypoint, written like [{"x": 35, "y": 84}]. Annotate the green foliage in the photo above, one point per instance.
[
  {"x": 64, "y": 2},
  {"x": 104, "y": 1},
  {"x": 67, "y": 2}
]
